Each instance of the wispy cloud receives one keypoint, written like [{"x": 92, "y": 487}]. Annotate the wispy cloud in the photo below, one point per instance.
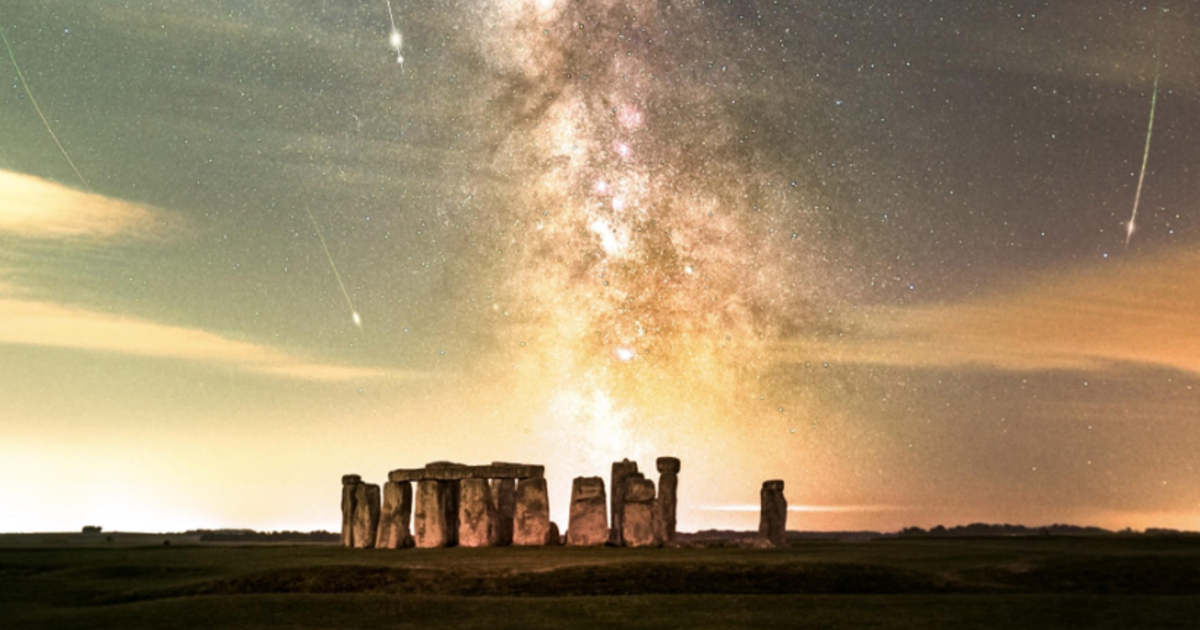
[
  {"x": 51, "y": 325},
  {"x": 1135, "y": 311},
  {"x": 31, "y": 207}
]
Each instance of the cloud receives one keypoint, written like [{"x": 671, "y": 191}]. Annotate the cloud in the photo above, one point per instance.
[
  {"x": 1127, "y": 311},
  {"x": 51, "y": 325},
  {"x": 31, "y": 207}
]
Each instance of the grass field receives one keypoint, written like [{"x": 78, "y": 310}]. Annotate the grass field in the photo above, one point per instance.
[{"x": 1044, "y": 582}]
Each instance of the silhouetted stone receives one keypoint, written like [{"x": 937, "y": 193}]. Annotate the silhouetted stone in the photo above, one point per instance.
[
  {"x": 475, "y": 514},
  {"x": 351, "y": 480},
  {"x": 531, "y": 517},
  {"x": 435, "y": 518},
  {"x": 620, "y": 470},
  {"x": 407, "y": 474},
  {"x": 504, "y": 502},
  {"x": 637, "y": 522},
  {"x": 772, "y": 523},
  {"x": 349, "y": 483},
  {"x": 395, "y": 516},
  {"x": 589, "y": 512},
  {"x": 664, "y": 505},
  {"x": 553, "y": 538},
  {"x": 366, "y": 515}
]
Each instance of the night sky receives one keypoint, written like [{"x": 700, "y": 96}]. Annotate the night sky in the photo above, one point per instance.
[{"x": 874, "y": 249}]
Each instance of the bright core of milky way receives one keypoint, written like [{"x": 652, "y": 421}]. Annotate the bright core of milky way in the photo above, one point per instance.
[{"x": 645, "y": 240}]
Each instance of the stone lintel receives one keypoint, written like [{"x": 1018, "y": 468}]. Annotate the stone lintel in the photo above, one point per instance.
[
  {"x": 350, "y": 480},
  {"x": 407, "y": 474},
  {"x": 773, "y": 484},
  {"x": 449, "y": 471},
  {"x": 668, "y": 464}
]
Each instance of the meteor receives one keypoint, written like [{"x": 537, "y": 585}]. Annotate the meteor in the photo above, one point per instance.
[
  {"x": 354, "y": 317},
  {"x": 1137, "y": 196},
  {"x": 38, "y": 109}
]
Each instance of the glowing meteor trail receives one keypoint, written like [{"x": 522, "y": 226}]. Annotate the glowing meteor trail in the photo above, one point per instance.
[
  {"x": 395, "y": 39},
  {"x": 1137, "y": 196},
  {"x": 38, "y": 109},
  {"x": 353, "y": 313}
]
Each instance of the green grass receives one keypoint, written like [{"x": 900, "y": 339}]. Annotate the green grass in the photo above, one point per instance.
[{"x": 947, "y": 583}]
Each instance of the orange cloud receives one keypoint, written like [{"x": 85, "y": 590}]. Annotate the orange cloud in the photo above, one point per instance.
[
  {"x": 44, "y": 324},
  {"x": 32, "y": 207},
  {"x": 1138, "y": 311}
]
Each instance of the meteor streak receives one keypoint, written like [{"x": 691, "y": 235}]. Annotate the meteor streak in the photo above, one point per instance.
[
  {"x": 1137, "y": 196},
  {"x": 395, "y": 39},
  {"x": 38, "y": 109},
  {"x": 353, "y": 313}
]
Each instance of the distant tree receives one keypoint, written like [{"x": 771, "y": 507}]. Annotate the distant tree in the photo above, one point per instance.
[{"x": 92, "y": 529}]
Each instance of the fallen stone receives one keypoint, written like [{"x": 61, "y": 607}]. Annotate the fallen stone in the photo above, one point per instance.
[
  {"x": 531, "y": 516},
  {"x": 435, "y": 517},
  {"x": 620, "y": 470},
  {"x": 504, "y": 503},
  {"x": 395, "y": 517},
  {"x": 475, "y": 514},
  {"x": 637, "y": 521},
  {"x": 772, "y": 523},
  {"x": 588, "y": 525},
  {"x": 366, "y": 515}
]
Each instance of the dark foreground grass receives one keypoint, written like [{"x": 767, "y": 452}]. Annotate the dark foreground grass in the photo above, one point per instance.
[{"x": 966, "y": 583}]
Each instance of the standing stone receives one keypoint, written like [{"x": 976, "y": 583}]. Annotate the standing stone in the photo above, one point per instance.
[
  {"x": 476, "y": 519},
  {"x": 664, "y": 505},
  {"x": 553, "y": 538},
  {"x": 366, "y": 515},
  {"x": 620, "y": 470},
  {"x": 637, "y": 522},
  {"x": 589, "y": 512},
  {"x": 531, "y": 517},
  {"x": 348, "y": 484},
  {"x": 504, "y": 503},
  {"x": 435, "y": 517},
  {"x": 772, "y": 524},
  {"x": 395, "y": 517}
]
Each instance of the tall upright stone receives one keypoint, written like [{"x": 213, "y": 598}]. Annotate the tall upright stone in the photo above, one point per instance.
[
  {"x": 476, "y": 521},
  {"x": 366, "y": 515},
  {"x": 348, "y": 484},
  {"x": 588, "y": 525},
  {"x": 531, "y": 516},
  {"x": 435, "y": 517},
  {"x": 504, "y": 503},
  {"x": 620, "y": 470},
  {"x": 664, "y": 505},
  {"x": 772, "y": 523},
  {"x": 395, "y": 517},
  {"x": 637, "y": 521}
]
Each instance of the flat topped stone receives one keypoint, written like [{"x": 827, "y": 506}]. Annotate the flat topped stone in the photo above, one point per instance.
[
  {"x": 668, "y": 464},
  {"x": 407, "y": 474},
  {"x": 448, "y": 471},
  {"x": 350, "y": 480},
  {"x": 773, "y": 484}
]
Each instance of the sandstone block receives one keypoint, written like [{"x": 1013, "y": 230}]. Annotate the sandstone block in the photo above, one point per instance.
[
  {"x": 665, "y": 504},
  {"x": 348, "y": 512},
  {"x": 531, "y": 516},
  {"x": 395, "y": 517},
  {"x": 637, "y": 522},
  {"x": 620, "y": 470},
  {"x": 448, "y": 471},
  {"x": 366, "y": 515},
  {"x": 772, "y": 522},
  {"x": 588, "y": 524},
  {"x": 476, "y": 520},
  {"x": 435, "y": 517},
  {"x": 553, "y": 538},
  {"x": 668, "y": 464},
  {"x": 504, "y": 503},
  {"x": 350, "y": 480},
  {"x": 504, "y": 470},
  {"x": 407, "y": 474}
]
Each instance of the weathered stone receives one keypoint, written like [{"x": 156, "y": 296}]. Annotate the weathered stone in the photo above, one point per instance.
[
  {"x": 448, "y": 471},
  {"x": 366, "y": 514},
  {"x": 504, "y": 502},
  {"x": 620, "y": 470},
  {"x": 348, "y": 512},
  {"x": 637, "y": 520},
  {"x": 531, "y": 517},
  {"x": 435, "y": 518},
  {"x": 664, "y": 505},
  {"x": 589, "y": 512},
  {"x": 476, "y": 520},
  {"x": 351, "y": 480},
  {"x": 407, "y": 474},
  {"x": 395, "y": 517},
  {"x": 553, "y": 538},
  {"x": 505, "y": 470},
  {"x": 772, "y": 523}
]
